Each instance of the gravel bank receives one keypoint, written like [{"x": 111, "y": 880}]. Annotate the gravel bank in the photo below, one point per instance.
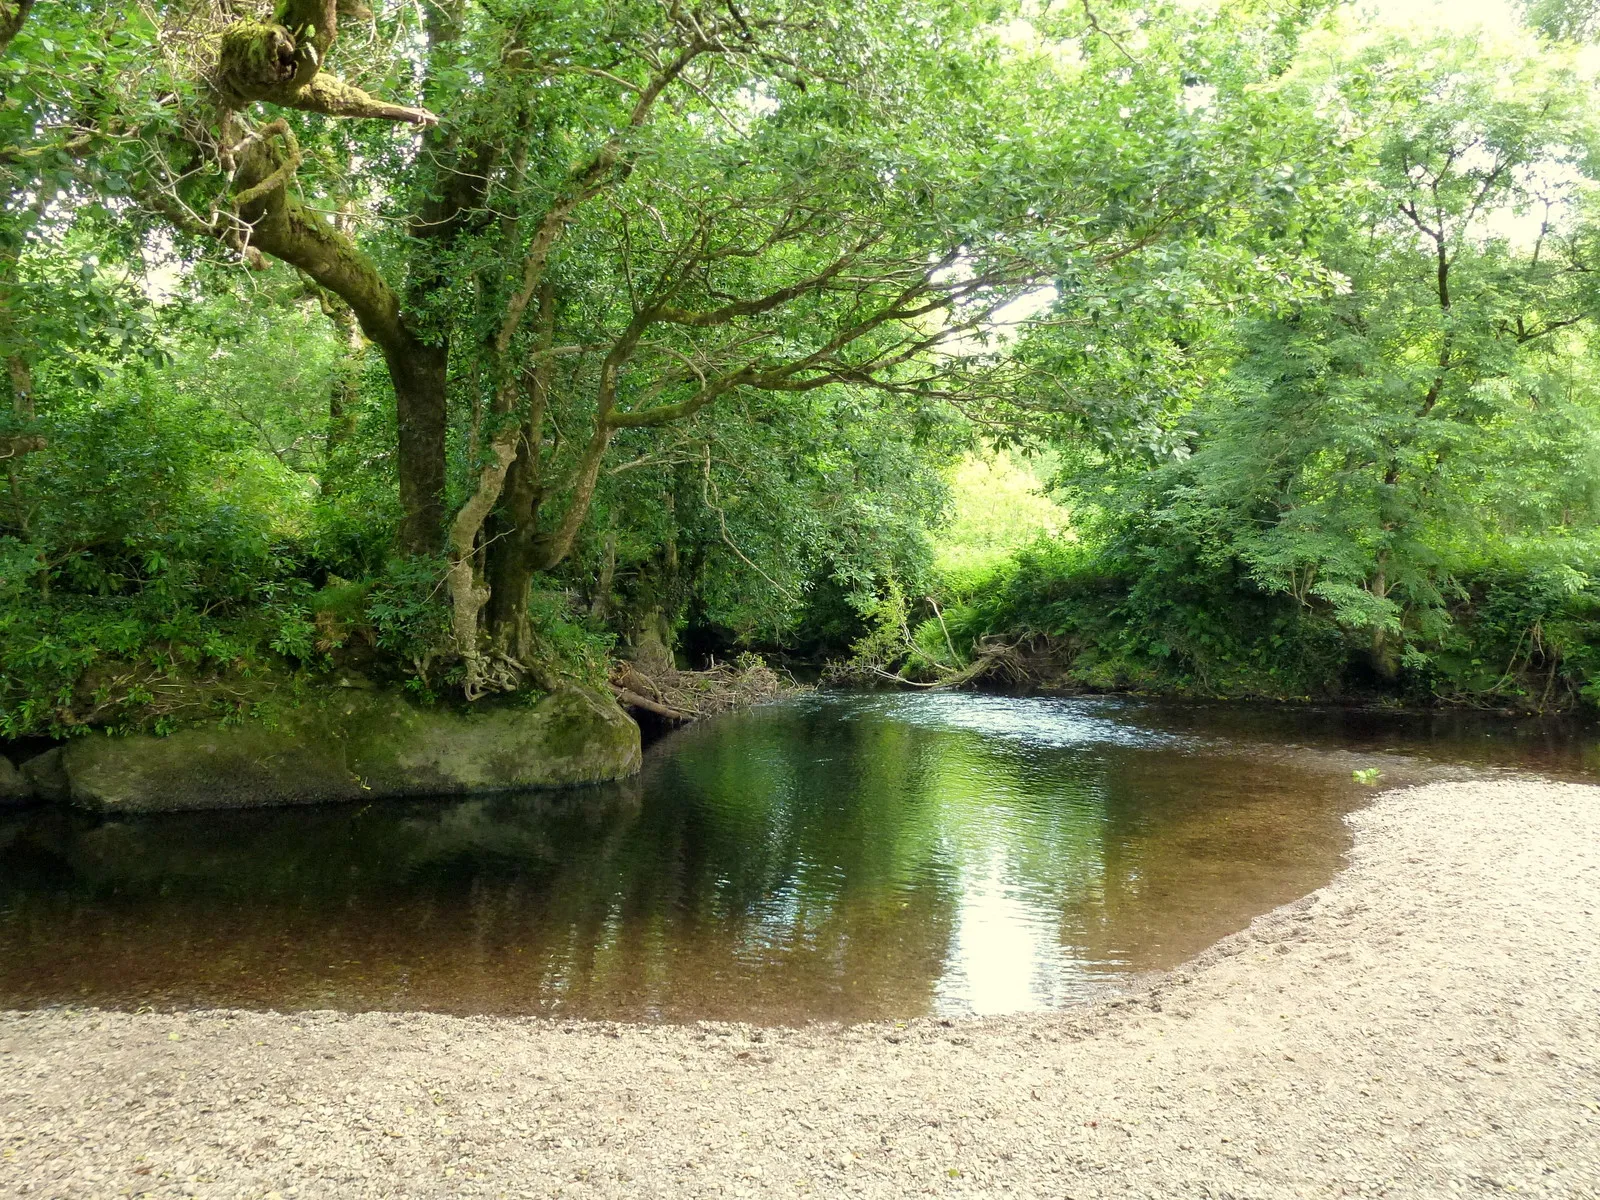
[{"x": 1427, "y": 1025}]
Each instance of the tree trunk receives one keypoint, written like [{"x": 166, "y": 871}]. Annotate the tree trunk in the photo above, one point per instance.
[
  {"x": 282, "y": 226},
  {"x": 514, "y": 532},
  {"x": 18, "y": 373},
  {"x": 468, "y": 591},
  {"x": 600, "y": 602},
  {"x": 346, "y": 389},
  {"x": 13, "y": 14},
  {"x": 419, "y": 373},
  {"x": 513, "y": 529},
  {"x": 1384, "y": 651}
]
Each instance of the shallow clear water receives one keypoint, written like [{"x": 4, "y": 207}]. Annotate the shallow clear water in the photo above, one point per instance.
[{"x": 833, "y": 857}]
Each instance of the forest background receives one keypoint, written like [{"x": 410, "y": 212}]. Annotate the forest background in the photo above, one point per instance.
[{"x": 1238, "y": 349}]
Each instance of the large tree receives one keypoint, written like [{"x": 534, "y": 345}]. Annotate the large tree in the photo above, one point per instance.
[
  {"x": 1355, "y": 449},
  {"x": 558, "y": 225}
]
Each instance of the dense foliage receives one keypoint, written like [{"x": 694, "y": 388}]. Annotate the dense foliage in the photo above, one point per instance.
[
  {"x": 468, "y": 347},
  {"x": 1388, "y": 488}
]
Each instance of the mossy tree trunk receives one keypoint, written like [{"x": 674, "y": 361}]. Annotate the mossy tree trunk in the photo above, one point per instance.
[
  {"x": 280, "y": 63},
  {"x": 13, "y": 15},
  {"x": 280, "y": 225},
  {"x": 513, "y": 527}
]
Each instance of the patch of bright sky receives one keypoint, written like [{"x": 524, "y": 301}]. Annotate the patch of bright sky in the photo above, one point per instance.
[{"x": 1456, "y": 16}]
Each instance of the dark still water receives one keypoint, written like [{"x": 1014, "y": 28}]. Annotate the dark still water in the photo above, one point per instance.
[{"x": 833, "y": 857}]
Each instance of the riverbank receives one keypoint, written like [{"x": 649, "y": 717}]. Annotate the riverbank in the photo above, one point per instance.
[{"x": 1426, "y": 1025}]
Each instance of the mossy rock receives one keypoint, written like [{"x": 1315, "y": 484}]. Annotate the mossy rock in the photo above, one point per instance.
[{"x": 352, "y": 744}]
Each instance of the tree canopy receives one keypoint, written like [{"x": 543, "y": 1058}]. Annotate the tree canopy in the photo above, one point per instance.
[{"x": 467, "y": 345}]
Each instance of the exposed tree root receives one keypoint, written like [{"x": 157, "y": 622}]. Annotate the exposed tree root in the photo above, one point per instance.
[{"x": 991, "y": 659}]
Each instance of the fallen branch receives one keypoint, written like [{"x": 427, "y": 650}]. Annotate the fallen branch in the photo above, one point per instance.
[
  {"x": 901, "y": 679},
  {"x": 690, "y": 695},
  {"x": 990, "y": 657},
  {"x": 632, "y": 699}
]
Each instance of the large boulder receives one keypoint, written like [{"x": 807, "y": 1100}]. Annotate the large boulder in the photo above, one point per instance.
[{"x": 354, "y": 744}]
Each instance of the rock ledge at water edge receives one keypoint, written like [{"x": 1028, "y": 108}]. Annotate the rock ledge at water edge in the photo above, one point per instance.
[{"x": 349, "y": 745}]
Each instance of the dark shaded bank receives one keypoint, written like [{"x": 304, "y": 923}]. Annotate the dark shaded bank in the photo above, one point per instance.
[{"x": 1142, "y": 617}]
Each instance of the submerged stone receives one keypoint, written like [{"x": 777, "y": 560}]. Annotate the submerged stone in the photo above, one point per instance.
[
  {"x": 14, "y": 789},
  {"x": 45, "y": 777},
  {"x": 350, "y": 745}
]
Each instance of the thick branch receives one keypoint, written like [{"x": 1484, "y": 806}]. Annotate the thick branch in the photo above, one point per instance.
[
  {"x": 666, "y": 414},
  {"x": 752, "y": 308},
  {"x": 633, "y": 699},
  {"x": 280, "y": 225},
  {"x": 556, "y": 545},
  {"x": 13, "y": 447},
  {"x": 333, "y": 97},
  {"x": 584, "y": 185},
  {"x": 1523, "y": 336},
  {"x": 280, "y": 62}
]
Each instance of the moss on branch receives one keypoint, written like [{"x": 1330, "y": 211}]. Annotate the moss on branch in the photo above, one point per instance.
[{"x": 280, "y": 62}]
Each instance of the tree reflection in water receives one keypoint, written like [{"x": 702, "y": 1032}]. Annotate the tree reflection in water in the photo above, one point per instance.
[{"x": 835, "y": 857}]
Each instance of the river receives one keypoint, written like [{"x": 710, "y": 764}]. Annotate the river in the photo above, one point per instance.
[{"x": 831, "y": 857}]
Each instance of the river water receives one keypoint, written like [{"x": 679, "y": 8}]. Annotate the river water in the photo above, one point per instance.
[{"x": 833, "y": 857}]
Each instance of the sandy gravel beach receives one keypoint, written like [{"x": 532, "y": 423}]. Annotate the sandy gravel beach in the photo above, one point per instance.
[{"x": 1427, "y": 1025}]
